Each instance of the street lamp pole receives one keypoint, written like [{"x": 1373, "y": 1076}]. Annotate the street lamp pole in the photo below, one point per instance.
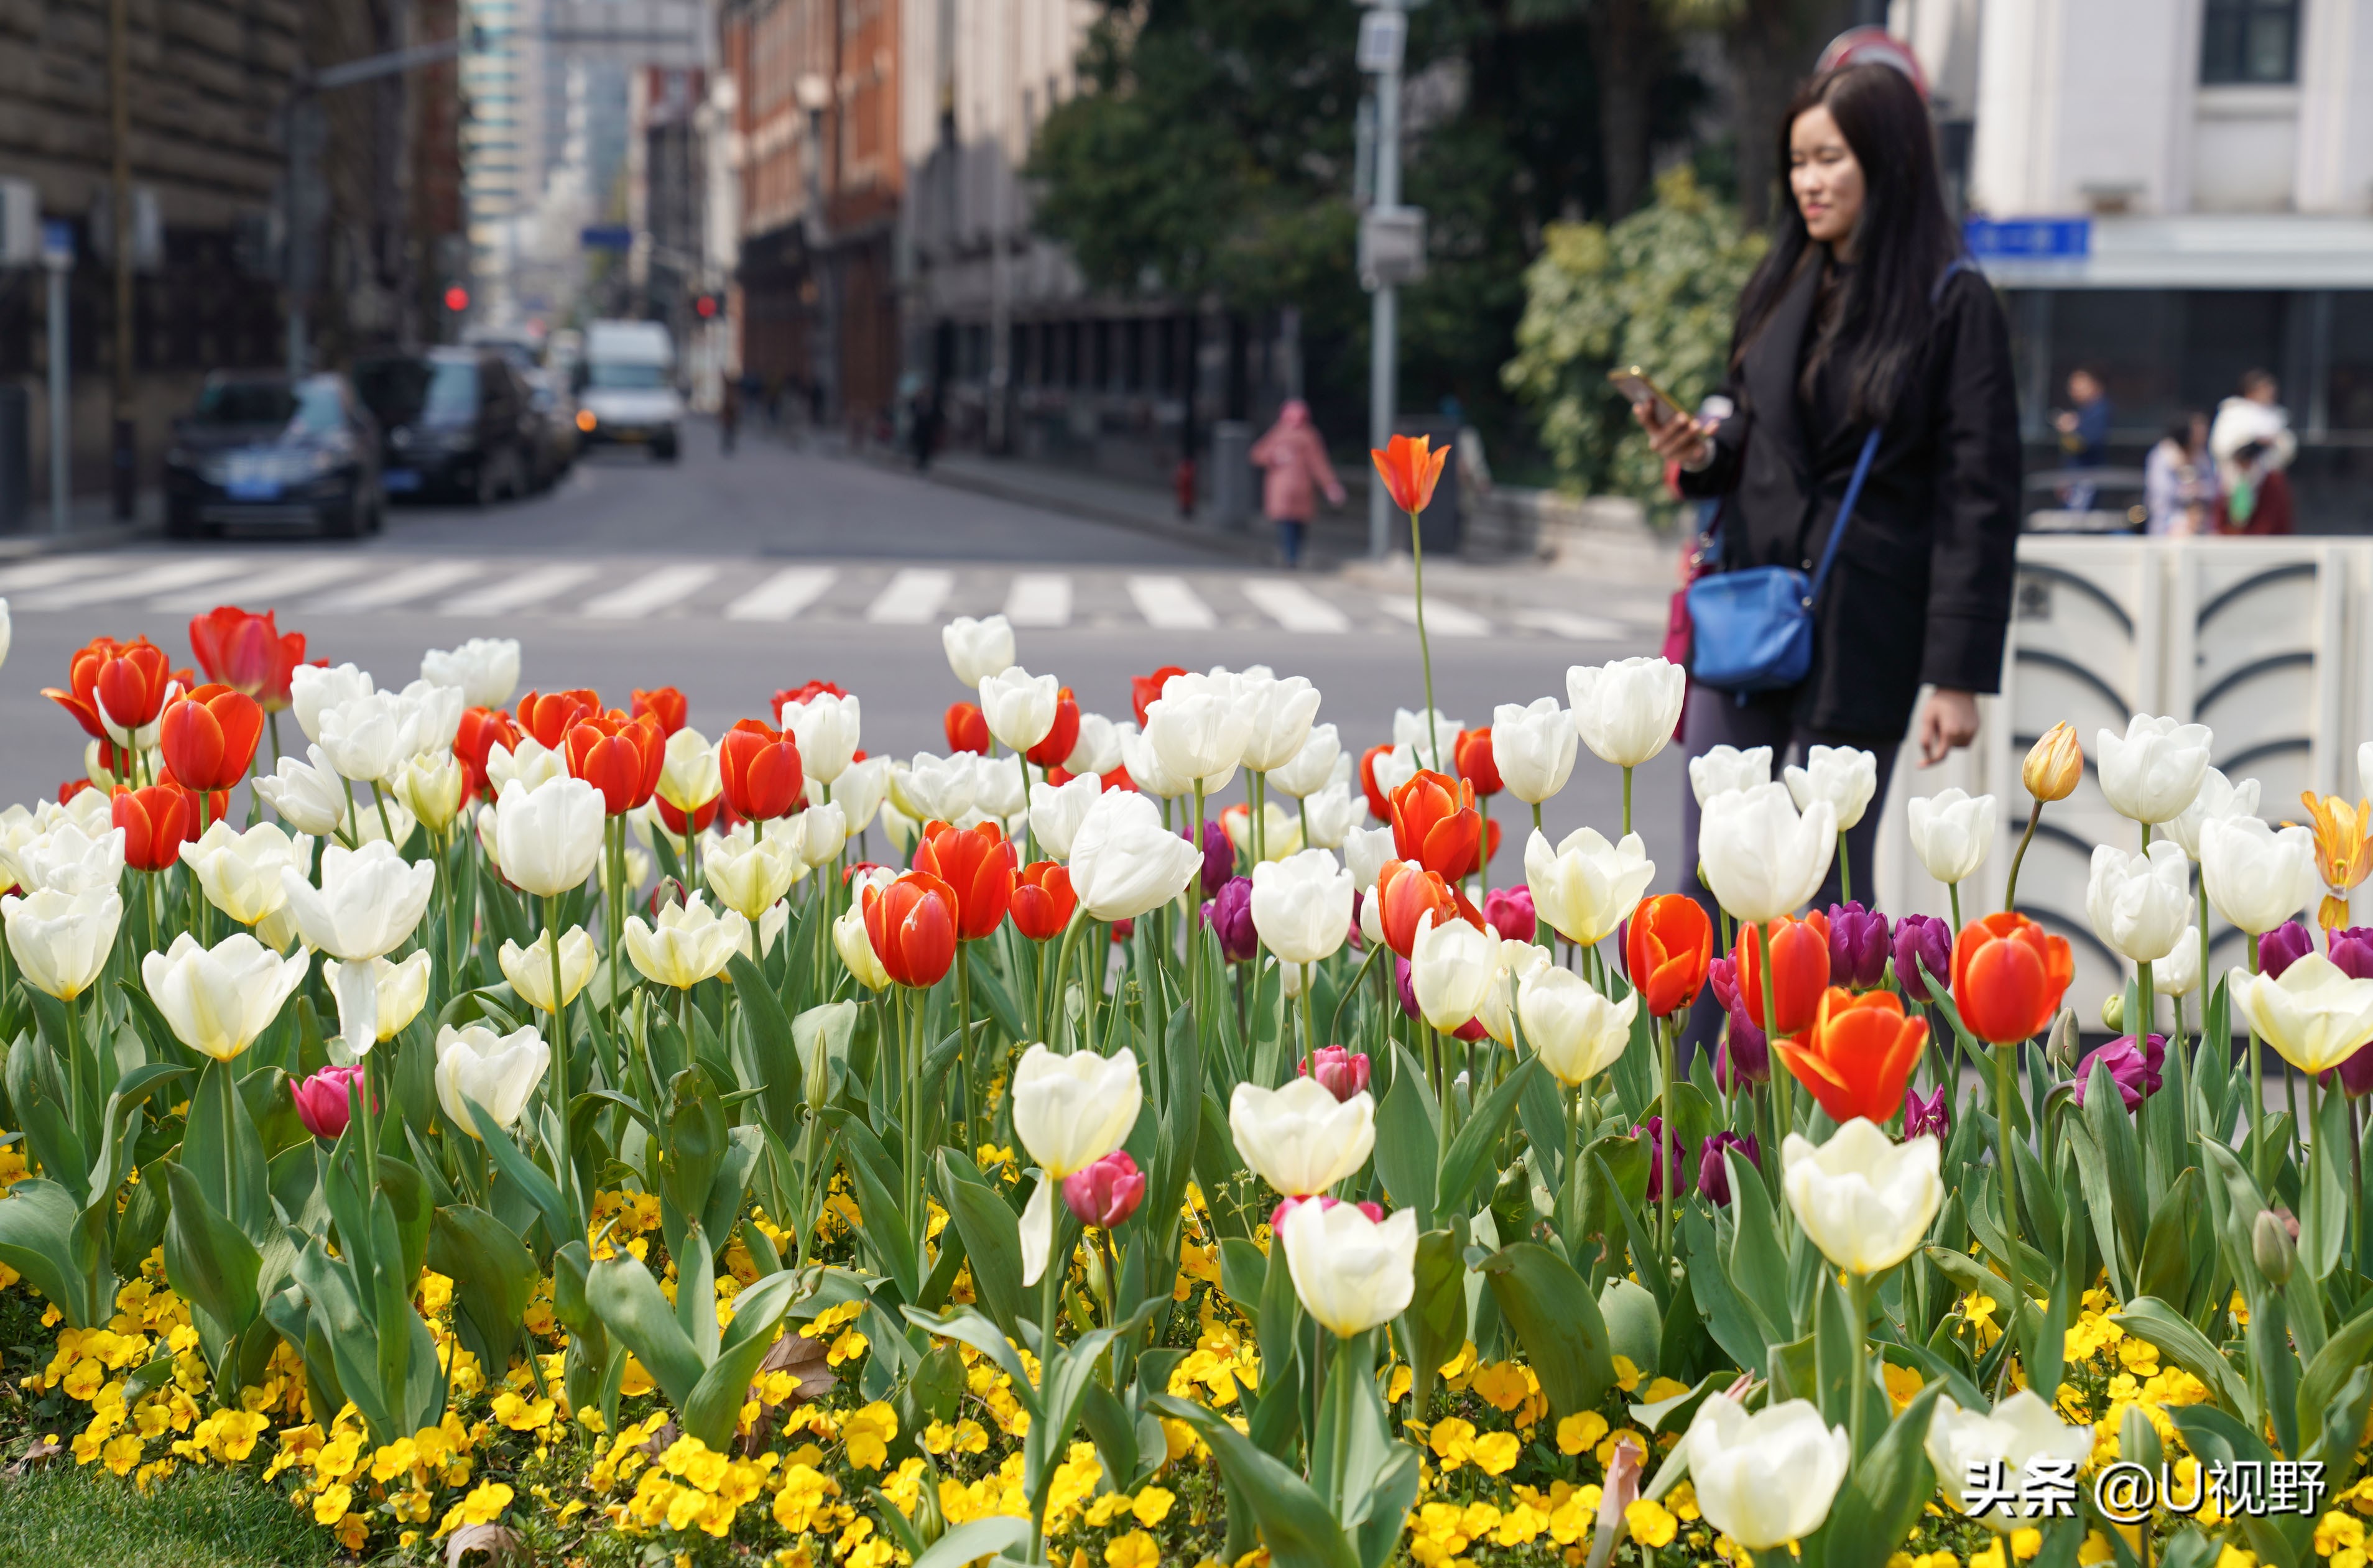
[{"x": 1382, "y": 32}]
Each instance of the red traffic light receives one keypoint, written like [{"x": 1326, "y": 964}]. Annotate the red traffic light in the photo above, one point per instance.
[
  {"x": 457, "y": 299},
  {"x": 704, "y": 306}
]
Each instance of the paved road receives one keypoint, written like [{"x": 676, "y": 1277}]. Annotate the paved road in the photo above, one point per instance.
[{"x": 733, "y": 577}]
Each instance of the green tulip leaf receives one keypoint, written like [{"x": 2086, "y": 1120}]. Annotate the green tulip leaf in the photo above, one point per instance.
[
  {"x": 1295, "y": 1524},
  {"x": 1556, "y": 1321}
]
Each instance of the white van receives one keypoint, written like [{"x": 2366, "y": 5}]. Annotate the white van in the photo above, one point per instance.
[{"x": 627, "y": 390}]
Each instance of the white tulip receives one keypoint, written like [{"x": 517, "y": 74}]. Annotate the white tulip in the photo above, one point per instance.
[
  {"x": 1302, "y": 906},
  {"x": 1097, "y": 750},
  {"x": 1397, "y": 766},
  {"x": 689, "y": 943},
  {"x": 62, "y": 940},
  {"x": 1372, "y": 919},
  {"x": 436, "y": 713},
  {"x": 1533, "y": 746},
  {"x": 859, "y": 789},
  {"x": 547, "y": 838},
  {"x": 529, "y": 968},
  {"x": 1350, "y": 1272},
  {"x": 2152, "y": 771},
  {"x": 530, "y": 762},
  {"x": 2140, "y": 904},
  {"x": 1767, "y": 1479},
  {"x": 2020, "y": 1430},
  {"x": 67, "y": 859},
  {"x": 819, "y": 833},
  {"x": 485, "y": 670},
  {"x": 240, "y": 872},
  {"x": 1626, "y": 711},
  {"x": 689, "y": 779},
  {"x": 1586, "y": 887},
  {"x": 2218, "y": 800},
  {"x": 996, "y": 789},
  {"x": 1145, "y": 768},
  {"x": 856, "y": 949},
  {"x": 1950, "y": 831},
  {"x": 385, "y": 995},
  {"x": 1199, "y": 727},
  {"x": 1327, "y": 817},
  {"x": 1281, "y": 832},
  {"x": 1124, "y": 862},
  {"x": 2257, "y": 876},
  {"x": 1020, "y": 707},
  {"x": 1366, "y": 851},
  {"x": 383, "y": 819},
  {"x": 368, "y": 903},
  {"x": 1577, "y": 1032},
  {"x": 825, "y": 729},
  {"x": 1451, "y": 966},
  {"x": 1300, "y": 1138},
  {"x": 1281, "y": 712},
  {"x": 899, "y": 828},
  {"x": 936, "y": 789},
  {"x": 1068, "y": 1112},
  {"x": 2178, "y": 974},
  {"x": 1846, "y": 776},
  {"x": 977, "y": 649},
  {"x": 313, "y": 688},
  {"x": 430, "y": 787},
  {"x": 219, "y": 999},
  {"x": 1516, "y": 963},
  {"x": 1864, "y": 1199},
  {"x": 306, "y": 795},
  {"x": 1423, "y": 736},
  {"x": 1727, "y": 767},
  {"x": 2316, "y": 1017},
  {"x": 89, "y": 810},
  {"x": 1057, "y": 810},
  {"x": 1312, "y": 768},
  {"x": 368, "y": 737},
  {"x": 496, "y": 1073}
]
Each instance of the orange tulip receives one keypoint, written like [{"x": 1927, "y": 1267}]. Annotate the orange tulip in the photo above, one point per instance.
[
  {"x": 912, "y": 925},
  {"x": 759, "y": 766},
  {"x": 1043, "y": 900},
  {"x": 1800, "y": 957},
  {"x": 129, "y": 680},
  {"x": 1668, "y": 951},
  {"x": 1411, "y": 470},
  {"x": 1473, "y": 758},
  {"x": 1379, "y": 806},
  {"x": 968, "y": 730},
  {"x": 157, "y": 822},
  {"x": 481, "y": 731},
  {"x": 622, "y": 758},
  {"x": 209, "y": 736},
  {"x": 1408, "y": 892},
  {"x": 1858, "y": 1054},
  {"x": 2008, "y": 976},
  {"x": 1436, "y": 824},
  {"x": 977, "y": 865},
  {"x": 549, "y": 716},
  {"x": 666, "y": 705}
]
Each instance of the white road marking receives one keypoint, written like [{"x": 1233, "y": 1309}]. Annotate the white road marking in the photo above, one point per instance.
[
  {"x": 912, "y": 598},
  {"x": 1167, "y": 603},
  {"x": 784, "y": 595},
  {"x": 1450, "y": 620},
  {"x": 1039, "y": 599},
  {"x": 267, "y": 589},
  {"x": 651, "y": 593},
  {"x": 1295, "y": 608},
  {"x": 54, "y": 570},
  {"x": 186, "y": 572},
  {"x": 518, "y": 591},
  {"x": 1579, "y": 627},
  {"x": 411, "y": 582}
]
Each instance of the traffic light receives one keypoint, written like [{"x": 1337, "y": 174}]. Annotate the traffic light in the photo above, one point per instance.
[
  {"x": 457, "y": 299},
  {"x": 708, "y": 306}
]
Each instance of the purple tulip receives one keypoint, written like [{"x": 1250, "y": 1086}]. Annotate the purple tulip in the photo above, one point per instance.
[
  {"x": 1714, "y": 1171},
  {"x": 1858, "y": 946},
  {"x": 1723, "y": 976},
  {"x": 2284, "y": 947},
  {"x": 1218, "y": 856},
  {"x": 1746, "y": 1045},
  {"x": 1930, "y": 1118},
  {"x": 2356, "y": 1073},
  {"x": 1674, "y": 1152},
  {"x": 1229, "y": 915},
  {"x": 2134, "y": 1071},
  {"x": 1922, "y": 942},
  {"x": 1509, "y": 912},
  {"x": 2351, "y": 952}
]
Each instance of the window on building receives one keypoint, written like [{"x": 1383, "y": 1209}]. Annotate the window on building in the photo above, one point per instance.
[{"x": 2250, "y": 41}]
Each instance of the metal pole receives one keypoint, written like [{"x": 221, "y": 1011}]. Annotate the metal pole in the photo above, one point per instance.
[
  {"x": 61, "y": 447},
  {"x": 1384, "y": 327},
  {"x": 123, "y": 457}
]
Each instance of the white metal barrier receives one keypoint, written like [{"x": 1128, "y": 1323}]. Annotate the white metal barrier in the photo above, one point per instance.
[{"x": 2263, "y": 640}]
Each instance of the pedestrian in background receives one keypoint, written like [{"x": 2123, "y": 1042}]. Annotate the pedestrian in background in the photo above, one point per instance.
[
  {"x": 1293, "y": 465},
  {"x": 2180, "y": 481},
  {"x": 2254, "y": 446},
  {"x": 729, "y": 414},
  {"x": 924, "y": 427},
  {"x": 2084, "y": 434}
]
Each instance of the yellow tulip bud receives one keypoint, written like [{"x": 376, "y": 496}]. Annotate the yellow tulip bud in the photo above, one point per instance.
[{"x": 2054, "y": 764}]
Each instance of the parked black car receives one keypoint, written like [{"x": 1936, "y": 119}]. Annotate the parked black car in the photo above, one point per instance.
[
  {"x": 260, "y": 450},
  {"x": 458, "y": 422}
]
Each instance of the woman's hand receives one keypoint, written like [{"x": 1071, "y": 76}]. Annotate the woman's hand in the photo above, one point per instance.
[
  {"x": 1675, "y": 437},
  {"x": 1947, "y": 724}
]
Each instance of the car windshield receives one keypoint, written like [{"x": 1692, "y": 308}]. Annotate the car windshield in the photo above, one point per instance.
[
  {"x": 433, "y": 392},
  {"x": 319, "y": 411},
  {"x": 246, "y": 402},
  {"x": 612, "y": 376}
]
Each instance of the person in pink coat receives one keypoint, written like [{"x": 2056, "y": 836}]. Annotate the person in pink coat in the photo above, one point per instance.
[{"x": 1293, "y": 465}]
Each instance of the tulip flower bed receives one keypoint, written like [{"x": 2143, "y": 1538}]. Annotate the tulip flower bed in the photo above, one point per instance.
[{"x": 538, "y": 1133}]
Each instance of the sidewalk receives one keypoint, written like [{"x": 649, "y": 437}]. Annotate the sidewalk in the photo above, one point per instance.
[{"x": 90, "y": 525}]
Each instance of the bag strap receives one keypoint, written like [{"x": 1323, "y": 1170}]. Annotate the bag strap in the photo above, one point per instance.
[{"x": 1861, "y": 464}]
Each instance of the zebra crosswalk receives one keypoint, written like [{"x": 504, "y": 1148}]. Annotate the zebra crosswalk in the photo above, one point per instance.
[{"x": 498, "y": 589}]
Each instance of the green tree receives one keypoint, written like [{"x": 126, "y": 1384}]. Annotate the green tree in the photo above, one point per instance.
[{"x": 1658, "y": 290}]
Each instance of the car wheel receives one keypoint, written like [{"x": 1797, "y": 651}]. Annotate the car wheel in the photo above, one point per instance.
[
  {"x": 179, "y": 524},
  {"x": 482, "y": 490}
]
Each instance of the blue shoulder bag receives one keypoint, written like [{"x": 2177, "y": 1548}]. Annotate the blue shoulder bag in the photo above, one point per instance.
[{"x": 1751, "y": 630}]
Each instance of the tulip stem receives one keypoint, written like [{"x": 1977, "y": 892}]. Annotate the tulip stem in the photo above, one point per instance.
[
  {"x": 1309, "y": 1039},
  {"x": 379, "y": 801},
  {"x": 564, "y": 1166},
  {"x": 1256, "y": 786},
  {"x": 2010, "y": 888},
  {"x": 1665, "y": 1028},
  {"x": 1194, "y": 920},
  {"x": 1845, "y": 871},
  {"x": 1858, "y": 1311},
  {"x": 964, "y": 1031},
  {"x": 1425, "y": 651},
  {"x": 1783, "y": 1120},
  {"x": 1953, "y": 892},
  {"x": 2004, "y": 1059},
  {"x": 2258, "y": 1162},
  {"x": 1627, "y": 801}
]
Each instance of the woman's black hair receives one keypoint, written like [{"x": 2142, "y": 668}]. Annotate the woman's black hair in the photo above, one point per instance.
[{"x": 1903, "y": 240}]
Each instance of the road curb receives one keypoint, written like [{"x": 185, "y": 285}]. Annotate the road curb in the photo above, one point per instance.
[
  {"x": 1241, "y": 547},
  {"x": 104, "y": 536}
]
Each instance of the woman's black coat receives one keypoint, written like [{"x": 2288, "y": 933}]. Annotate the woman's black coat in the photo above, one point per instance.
[{"x": 1921, "y": 590}]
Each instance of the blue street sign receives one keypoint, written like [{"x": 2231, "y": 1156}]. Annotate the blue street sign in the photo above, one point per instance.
[
  {"x": 2028, "y": 238},
  {"x": 607, "y": 237},
  {"x": 57, "y": 242}
]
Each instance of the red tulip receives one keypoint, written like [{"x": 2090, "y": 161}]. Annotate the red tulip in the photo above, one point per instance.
[
  {"x": 248, "y": 653},
  {"x": 803, "y": 693},
  {"x": 482, "y": 729},
  {"x": 127, "y": 681},
  {"x": 1436, "y": 824},
  {"x": 1378, "y": 806},
  {"x": 675, "y": 818},
  {"x": 1858, "y": 1055},
  {"x": 1475, "y": 764},
  {"x": 1408, "y": 892},
  {"x": 1411, "y": 470},
  {"x": 760, "y": 766},
  {"x": 1667, "y": 950},
  {"x": 1043, "y": 900},
  {"x": 1800, "y": 957},
  {"x": 1118, "y": 779},
  {"x": 1105, "y": 1193},
  {"x": 1144, "y": 691},
  {"x": 665, "y": 705},
  {"x": 209, "y": 736},
  {"x": 976, "y": 864},
  {"x": 548, "y": 715},
  {"x": 621, "y": 759},
  {"x": 1059, "y": 740},
  {"x": 968, "y": 730},
  {"x": 912, "y": 925},
  {"x": 323, "y": 1103},
  {"x": 2008, "y": 976},
  {"x": 157, "y": 822}
]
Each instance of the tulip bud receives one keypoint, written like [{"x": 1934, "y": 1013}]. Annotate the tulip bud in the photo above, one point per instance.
[
  {"x": 1107, "y": 1193},
  {"x": 2271, "y": 1246},
  {"x": 1340, "y": 1070},
  {"x": 1227, "y": 915},
  {"x": 2055, "y": 764},
  {"x": 2282, "y": 947},
  {"x": 323, "y": 1103},
  {"x": 2061, "y": 1044},
  {"x": 2113, "y": 1015}
]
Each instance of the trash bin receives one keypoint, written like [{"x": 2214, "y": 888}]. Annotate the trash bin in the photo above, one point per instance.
[
  {"x": 16, "y": 456},
  {"x": 1233, "y": 500},
  {"x": 1439, "y": 526}
]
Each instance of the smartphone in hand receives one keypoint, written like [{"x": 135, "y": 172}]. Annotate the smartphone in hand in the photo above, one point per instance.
[{"x": 1633, "y": 383}]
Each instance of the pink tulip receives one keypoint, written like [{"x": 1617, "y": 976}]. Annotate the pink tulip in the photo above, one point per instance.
[
  {"x": 322, "y": 1102},
  {"x": 1107, "y": 1193},
  {"x": 1340, "y": 1070}
]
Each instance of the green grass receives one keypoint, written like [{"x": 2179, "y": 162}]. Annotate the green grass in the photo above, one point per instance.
[{"x": 69, "y": 1515}]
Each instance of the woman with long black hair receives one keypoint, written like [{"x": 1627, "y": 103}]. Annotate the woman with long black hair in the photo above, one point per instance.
[{"x": 1862, "y": 317}]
